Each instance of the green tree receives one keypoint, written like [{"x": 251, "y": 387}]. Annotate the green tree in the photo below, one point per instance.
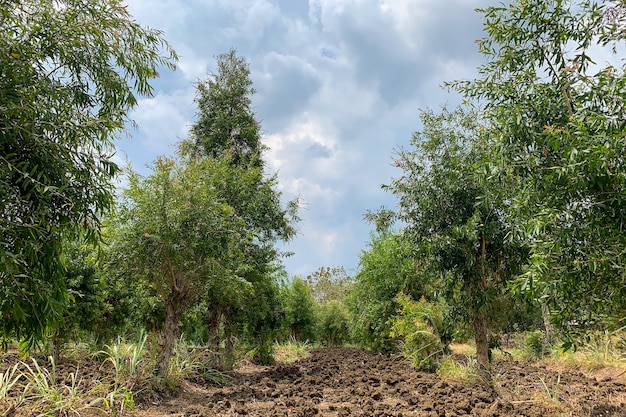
[
  {"x": 177, "y": 234},
  {"x": 557, "y": 109},
  {"x": 227, "y": 129},
  {"x": 386, "y": 269},
  {"x": 454, "y": 211},
  {"x": 299, "y": 307},
  {"x": 420, "y": 326},
  {"x": 226, "y": 122},
  {"x": 329, "y": 284},
  {"x": 71, "y": 70}
]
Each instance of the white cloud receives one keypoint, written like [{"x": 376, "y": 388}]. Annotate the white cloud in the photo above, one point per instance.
[
  {"x": 340, "y": 84},
  {"x": 161, "y": 121}
]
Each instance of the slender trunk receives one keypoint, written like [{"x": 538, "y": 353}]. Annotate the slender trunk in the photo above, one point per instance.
[
  {"x": 545, "y": 314},
  {"x": 169, "y": 333},
  {"x": 481, "y": 336},
  {"x": 482, "y": 332},
  {"x": 214, "y": 321},
  {"x": 229, "y": 343}
]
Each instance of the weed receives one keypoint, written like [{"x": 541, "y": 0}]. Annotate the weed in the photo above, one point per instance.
[
  {"x": 125, "y": 357},
  {"x": 292, "y": 350},
  {"x": 8, "y": 384},
  {"x": 465, "y": 371}
]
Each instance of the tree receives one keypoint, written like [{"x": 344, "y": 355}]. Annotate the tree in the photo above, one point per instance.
[
  {"x": 227, "y": 129},
  {"x": 71, "y": 70},
  {"x": 177, "y": 234},
  {"x": 454, "y": 211},
  {"x": 386, "y": 269},
  {"x": 226, "y": 122},
  {"x": 329, "y": 284},
  {"x": 558, "y": 112},
  {"x": 299, "y": 309}
]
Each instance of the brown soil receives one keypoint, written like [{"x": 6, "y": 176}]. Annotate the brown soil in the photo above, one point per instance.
[{"x": 351, "y": 382}]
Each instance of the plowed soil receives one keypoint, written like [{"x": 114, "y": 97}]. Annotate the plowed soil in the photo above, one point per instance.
[{"x": 350, "y": 382}]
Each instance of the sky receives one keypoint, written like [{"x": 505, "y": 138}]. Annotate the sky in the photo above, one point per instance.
[{"x": 340, "y": 84}]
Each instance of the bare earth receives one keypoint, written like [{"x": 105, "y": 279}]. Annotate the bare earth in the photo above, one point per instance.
[{"x": 351, "y": 382}]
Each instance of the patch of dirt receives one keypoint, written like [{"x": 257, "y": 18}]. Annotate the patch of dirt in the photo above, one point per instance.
[{"x": 349, "y": 382}]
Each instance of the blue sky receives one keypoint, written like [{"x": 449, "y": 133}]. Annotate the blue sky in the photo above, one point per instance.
[{"x": 339, "y": 87}]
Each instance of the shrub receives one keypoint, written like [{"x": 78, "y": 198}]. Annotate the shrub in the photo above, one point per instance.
[
  {"x": 333, "y": 324},
  {"x": 418, "y": 327}
]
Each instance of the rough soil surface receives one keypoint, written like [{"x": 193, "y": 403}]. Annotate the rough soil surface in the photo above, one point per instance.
[{"x": 350, "y": 382}]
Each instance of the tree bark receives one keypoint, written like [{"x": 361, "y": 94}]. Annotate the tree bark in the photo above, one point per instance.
[
  {"x": 481, "y": 337},
  {"x": 545, "y": 314},
  {"x": 169, "y": 333},
  {"x": 214, "y": 321}
]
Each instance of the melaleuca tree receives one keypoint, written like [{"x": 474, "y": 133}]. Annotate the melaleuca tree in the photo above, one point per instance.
[
  {"x": 226, "y": 129},
  {"x": 454, "y": 211},
  {"x": 70, "y": 72},
  {"x": 557, "y": 108}
]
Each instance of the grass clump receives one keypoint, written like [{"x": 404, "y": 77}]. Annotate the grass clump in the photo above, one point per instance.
[
  {"x": 291, "y": 350},
  {"x": 459, "y": 370}
]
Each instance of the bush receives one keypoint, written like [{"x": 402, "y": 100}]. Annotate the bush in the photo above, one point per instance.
[
  {"x": 333, "y": 324},
  {"x": 536, "y": 346},
  {"x": 418, "y": 328}
]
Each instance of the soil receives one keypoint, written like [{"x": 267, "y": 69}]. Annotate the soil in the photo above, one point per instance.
[{"x": 349, "y": 382}]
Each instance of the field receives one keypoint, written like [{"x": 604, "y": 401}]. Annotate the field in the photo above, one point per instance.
[{"x": 348, "y": 382}]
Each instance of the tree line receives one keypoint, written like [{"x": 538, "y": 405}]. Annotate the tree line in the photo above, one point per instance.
[{"x": 510, "y": 211}]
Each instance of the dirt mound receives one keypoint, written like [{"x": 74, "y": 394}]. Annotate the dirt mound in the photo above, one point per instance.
[{"x": 351, "y": 382}]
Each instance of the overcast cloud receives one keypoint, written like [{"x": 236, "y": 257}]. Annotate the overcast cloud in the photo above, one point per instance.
[{"x": 339, "y": 86}]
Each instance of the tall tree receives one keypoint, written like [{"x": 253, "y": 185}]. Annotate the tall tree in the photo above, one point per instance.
[
  {"x": 226, "y": 122},
  {"x": 557, "y": 108},
  {"x": 71, "y": 70},
  {"x": 227, "y": 129},
  {"x": 454, "y": 211},
  {"x": 177, "y": 235}
]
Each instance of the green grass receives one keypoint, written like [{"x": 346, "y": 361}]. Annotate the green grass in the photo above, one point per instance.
[
  {"x": 465, "y": 371},
  {"x": 291, "y": 351}
]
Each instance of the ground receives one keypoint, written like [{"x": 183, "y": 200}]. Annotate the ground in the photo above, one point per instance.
[{"x": 351, "y": 382}]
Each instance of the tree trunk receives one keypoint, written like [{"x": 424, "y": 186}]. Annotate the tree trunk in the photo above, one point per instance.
[
  {"x": 170, "y": 332},
  {"x": 480, "y": 320},
  {"x": 214, "y": 322},
  {"x": 545, "y": 314},
  {"x": 481, "y": 336},
  {"x": 229, "y": 343}
]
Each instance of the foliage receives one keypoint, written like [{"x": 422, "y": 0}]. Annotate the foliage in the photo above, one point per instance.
[
  {"x": 454, "y": 211},
  {"x": 385, "y": 269},
  {"x": 536, "y": 346},
  {"x": 71, "y": 71},
  {"x": 177, "y": 235},
  {"x": 227, "y": 130},
  {"x": 263, "y": 317},
  {"x": 292, "y": 350},
  {"x": 464, "y": 371},
  {"x": 329, "y": 284},
  {"x": 418, "y": 326},
  {"x": 226, "y": 122},
  {"x": 556, "y": 107},
  {"x": 299, "y": 305},
  {"x": 333, "y": 323}
]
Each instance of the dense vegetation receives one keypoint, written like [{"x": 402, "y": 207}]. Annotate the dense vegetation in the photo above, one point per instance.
[{"x": 510, "y": 209}]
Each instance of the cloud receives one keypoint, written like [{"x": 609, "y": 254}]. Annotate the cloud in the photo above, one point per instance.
[
  {"x": 339, "y": 87},
  {"x": 161, "y": 121}
]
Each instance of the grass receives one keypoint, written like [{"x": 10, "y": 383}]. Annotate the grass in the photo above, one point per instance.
[
  {"x": 463, "y": 371},
  {"x": 291, "y": 350}
]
